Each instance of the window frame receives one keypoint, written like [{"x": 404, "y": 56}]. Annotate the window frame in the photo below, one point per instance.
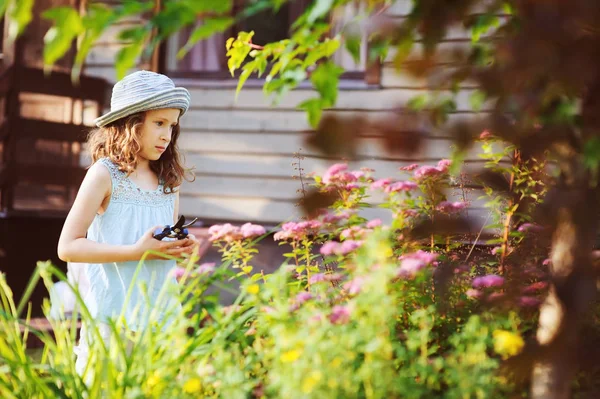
[{"x": 370, "y": 76}]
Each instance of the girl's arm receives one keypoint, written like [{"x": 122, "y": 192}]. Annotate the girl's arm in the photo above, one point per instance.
[{"x": 73, "y": 246}]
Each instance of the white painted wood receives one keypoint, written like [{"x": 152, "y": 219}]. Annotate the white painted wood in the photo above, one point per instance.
[
  {"x": 282, "y": 166},
  {"x": 347, "y": 99},
  {"x": 272, "y": 120},
  {"x": 289, "y": 143}
]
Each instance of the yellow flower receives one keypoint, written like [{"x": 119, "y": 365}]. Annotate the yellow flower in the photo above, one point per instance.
[
  {"x": 153, "y": 386},
  {"x": 290, "y": 356},
  {"x": 253, "y": 289},
  {"x": 507, "y": 343},
  {"x": 193, "y": 385},
  {"x": 311, "y": 381}
]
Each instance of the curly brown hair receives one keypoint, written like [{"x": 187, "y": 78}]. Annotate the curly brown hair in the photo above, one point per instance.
[{"x": 120, "y": 141}]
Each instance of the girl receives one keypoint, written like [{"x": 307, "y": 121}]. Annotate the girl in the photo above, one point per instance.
[{"x": 130, "y": 190}]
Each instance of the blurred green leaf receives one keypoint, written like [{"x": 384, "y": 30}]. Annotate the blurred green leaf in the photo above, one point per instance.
[
  {"x": 57, "y": 41},
  {"x": 319, "y": 9},
  {"x": 591, "y": 153},
  {"x": 325, "y": 78},
  {"x": 98, "y": 18},
  {"x": 127, "y": 58},
  {"x": 476, "y": 99},
  {"x": 19, "y": 15},
  {"x": 314, "y": 110},
  {"x": 209, "y": 27}
]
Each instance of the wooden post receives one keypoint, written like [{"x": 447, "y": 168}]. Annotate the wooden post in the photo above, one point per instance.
[{"x": 156, "y": 58}]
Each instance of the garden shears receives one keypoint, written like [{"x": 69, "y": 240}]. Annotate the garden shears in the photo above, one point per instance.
[{"x": 178, "y": 231}]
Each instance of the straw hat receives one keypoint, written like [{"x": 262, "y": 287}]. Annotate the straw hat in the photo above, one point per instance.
[{"x": 144, "y": 91}]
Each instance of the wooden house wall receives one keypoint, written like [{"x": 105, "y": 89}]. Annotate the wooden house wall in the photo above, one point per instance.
[{"x": 243, "y": 151}]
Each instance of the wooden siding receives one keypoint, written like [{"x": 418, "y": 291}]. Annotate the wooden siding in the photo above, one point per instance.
[{"x": 243, "y": 151}]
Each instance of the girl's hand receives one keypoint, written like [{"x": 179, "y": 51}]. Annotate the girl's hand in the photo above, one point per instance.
[{"x": 171, "y": 248}]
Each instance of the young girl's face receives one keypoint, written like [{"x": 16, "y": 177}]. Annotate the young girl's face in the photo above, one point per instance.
[{"x": 157, "y": 131}]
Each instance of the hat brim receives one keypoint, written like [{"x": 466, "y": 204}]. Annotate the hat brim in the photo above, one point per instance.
[{"x": 177, "y": 97}]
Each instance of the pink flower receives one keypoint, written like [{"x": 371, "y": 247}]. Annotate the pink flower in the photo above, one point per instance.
[
  {"x": 537, "y": 286},
  {"x": 340, "y": 315},
  {"x": 427, "y": 171},
  {"x": 529, "y": 302},
  {"x": 335, "y": 248},
  {"x": 300, "y": 299},
  {"x": 409, "y": 168},
  {"x": 329, "y": 248},
  {"x": 485, "y": 135},
  {"x": 303, "y": 296},
  {"x": 373, "y": 223},
  {"x": 358, "y": 174},
  {"x": 354, "y": 286},
  {"x": 496, "y": 250},
  {"x": 250, "y": 230},
  {"x": 282, "y": 235},
  {"x": 205, "y": 268},
  {"x": 178, "y": 272},
  {"x": 525, "y": 227},
  {"x": 449, "y": 207},
  {"x": 317, "y": 278},
  {"x": 333, "y": 171},
  {"x": 381, "y": 183},
  {"x": 475, "y": 294},
  {"x": 444, "y": 165},
  {"x": 401, "y": 186},
  {"x": 332, "y": 218},
  {"x": 414, "y": 262},
  {"x": 353, "y": 232},
  {"x": 426, "y": 257},
  {"x": 351, "y": 186},
  {"x": 348, "y": 246},
  {"x": 491, "y": 280},
  {"x": 224, "y": 232},
  {"x": 410, "y": 267},
  {"x": 546, "y": 262},
  {"x": 409, "y": 212}
]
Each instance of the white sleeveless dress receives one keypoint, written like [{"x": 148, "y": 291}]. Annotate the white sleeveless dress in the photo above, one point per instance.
[{"x": 130, "y": 213}]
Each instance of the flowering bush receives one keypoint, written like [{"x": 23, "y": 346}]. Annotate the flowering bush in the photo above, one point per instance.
[{"x": 360, "y": 308}]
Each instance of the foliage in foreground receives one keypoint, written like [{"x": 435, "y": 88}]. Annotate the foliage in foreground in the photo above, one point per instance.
[{"x": 373, "y": 313}]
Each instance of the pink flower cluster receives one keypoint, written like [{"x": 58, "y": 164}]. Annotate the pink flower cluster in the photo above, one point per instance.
[
  {"x": 228, "y": 232},
  {"x": 401, "y": 186},
  {"x": 297, "y": 230},
  {"x": 204, "y": 268},
  {"x": 427, "y": 171},
  {"x": 414, "y": 262},
  {"x": 336, "y": 248},
  {"x": 338, "y": 175},
  {"x": 451, "y": 207},
  {"x": 335, "y": 218},
  {"x": 324, "y": 277},
  {"x": 355, "y": 285},
  {"x": 300, "y": 299},
  {"x": 340, "y": 314},
  {"x": 530, "y": 227},
  {"x": 491, "y": 280}
]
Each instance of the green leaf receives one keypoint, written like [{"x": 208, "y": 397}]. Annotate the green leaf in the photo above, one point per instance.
[
  {"x": 418, "y": 102},
  {"x": 58, "y": 39},
  {"x": 19, "y": 13},
  {"x": 207, "y": 29},
  {"x": 127, "y": 58},
  {"x": 325, "y": 79},
  {"x": 319, "y": 9},
  {"x": 242, "y": 79},
  {"x": 353, "y": 46},
  {"x": 591, "y": 153},
  {"x": 314, "y": 110},
  {"x": 97, "y": 20},
  {"x": 476, "y": 99}
]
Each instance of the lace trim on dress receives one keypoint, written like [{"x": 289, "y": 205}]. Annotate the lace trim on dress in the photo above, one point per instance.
[{"x": 125, "y": 191}]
